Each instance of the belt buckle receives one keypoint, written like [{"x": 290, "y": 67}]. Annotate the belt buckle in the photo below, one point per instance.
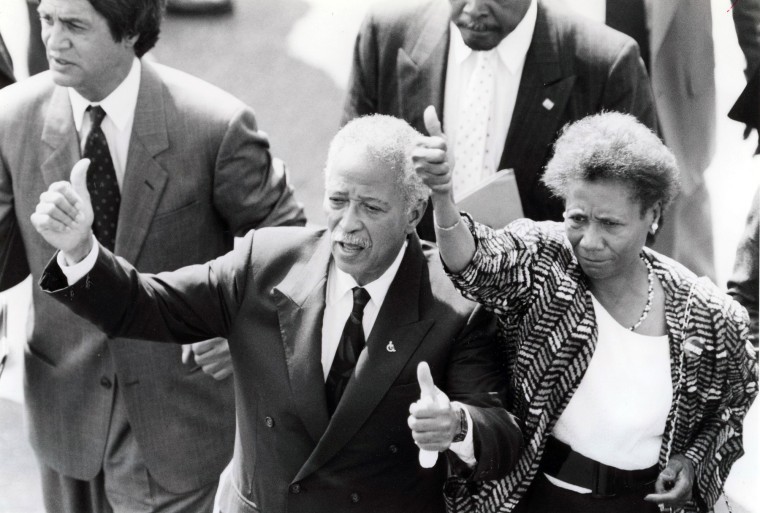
[{"x": 603, "y": 481}]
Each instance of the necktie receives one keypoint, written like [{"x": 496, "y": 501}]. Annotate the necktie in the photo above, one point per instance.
[
  {"x": 472, "y": 135},
  {"x": 630, "y": 17},
  {"x": 101, "y": 181},
  {"x": 350, "y": 345}
]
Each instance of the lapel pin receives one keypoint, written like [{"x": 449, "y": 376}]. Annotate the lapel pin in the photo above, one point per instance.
[
  {"x": 548, "y": 104},
  {"x": 390, "y": 347}
]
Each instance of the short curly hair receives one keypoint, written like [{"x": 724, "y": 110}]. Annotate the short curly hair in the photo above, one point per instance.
[
  {"x": 388, "y": 140},
  {"x": 616, "y": 147},
  {"x": 127, "y": 18}
]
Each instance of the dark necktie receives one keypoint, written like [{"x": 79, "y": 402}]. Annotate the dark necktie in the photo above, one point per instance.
[
  {"x": 351, "y": 344},
  {"x": 630, "y": 17},
  {"x": 101, "y": 181}
]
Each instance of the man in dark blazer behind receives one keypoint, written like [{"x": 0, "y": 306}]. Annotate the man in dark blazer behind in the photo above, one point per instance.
[
  {"x": 115, "y": 423},
  {"x": 572, "y": 68},
  {"x": 278, "y": 298}
]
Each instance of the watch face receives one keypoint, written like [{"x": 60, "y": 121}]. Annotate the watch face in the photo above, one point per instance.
[{"x": 462, "y": 433}]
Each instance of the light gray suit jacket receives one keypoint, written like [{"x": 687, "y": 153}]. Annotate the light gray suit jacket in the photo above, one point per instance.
[{"x": 198, "y": 172}]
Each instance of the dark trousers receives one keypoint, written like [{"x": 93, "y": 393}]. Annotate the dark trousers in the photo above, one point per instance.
[{"x": 545, "y": 497}]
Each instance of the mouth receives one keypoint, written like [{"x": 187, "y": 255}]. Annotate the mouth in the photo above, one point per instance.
[
  {"x": 349, "y": 248},
  {"x": 479, "y": 28},
  {"x": 58, "y": 61}
]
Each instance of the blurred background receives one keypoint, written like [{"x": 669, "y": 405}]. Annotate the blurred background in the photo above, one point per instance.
[{"x": 289, "y": 60}]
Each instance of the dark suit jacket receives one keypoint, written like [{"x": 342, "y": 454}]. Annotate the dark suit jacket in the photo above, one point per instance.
[
  {"x": 198, "y": 171},
  {"x": 399, "y": 68},
  {"x": 268, "y": 298}
]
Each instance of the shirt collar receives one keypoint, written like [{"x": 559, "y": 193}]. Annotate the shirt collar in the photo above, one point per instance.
[
  {"x": 341, "y": 283},
  {"x": 512, "y": 50},
  {"x": 119, "y": 105}
]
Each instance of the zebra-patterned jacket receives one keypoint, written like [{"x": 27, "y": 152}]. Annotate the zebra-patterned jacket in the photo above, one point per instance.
[{"x": 528, "y": 275}]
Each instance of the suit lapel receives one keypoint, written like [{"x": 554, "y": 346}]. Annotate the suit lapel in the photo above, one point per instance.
[
  {"x": 60, "y": 137},
  {"x": 541, "y": 99},
  {"x": 377, "y": 368},
  {"x": 144, "y": 178},
  {"x": 421, "y": 66},
  {"x": 300, "y": 300}
]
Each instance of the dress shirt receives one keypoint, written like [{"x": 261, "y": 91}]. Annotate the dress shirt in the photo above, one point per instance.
[
  {"x": 511, "y": 51},
  {"x": 119, "y": 107},
  {"x": 14, "y": 27},
  {"x": 338, "y": 304}
]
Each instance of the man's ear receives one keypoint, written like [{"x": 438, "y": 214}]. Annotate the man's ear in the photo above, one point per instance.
[{"x": 415, "y": 215}]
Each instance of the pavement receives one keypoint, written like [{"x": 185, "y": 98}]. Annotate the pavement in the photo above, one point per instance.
[{"x": 289, "y": 60}]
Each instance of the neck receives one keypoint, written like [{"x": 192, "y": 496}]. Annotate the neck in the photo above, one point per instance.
[{"x": 101, "y": 91}]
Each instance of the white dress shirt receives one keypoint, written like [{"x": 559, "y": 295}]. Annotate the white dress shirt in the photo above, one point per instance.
[
  {"x": 338, "y": 304},
  {"x": 617, "y": 415},
  {"x": 512, "y": 51},
  {"x": 119, "y": 107}
]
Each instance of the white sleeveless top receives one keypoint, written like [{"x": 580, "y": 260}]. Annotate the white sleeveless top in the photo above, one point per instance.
[{"x": 617, "y": 415}]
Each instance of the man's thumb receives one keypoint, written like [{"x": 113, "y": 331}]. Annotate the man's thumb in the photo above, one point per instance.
[
  {"x": 79, "y": 177},
  {"x": 432, "y": 123},
  {"x": 427, "y": 387}
]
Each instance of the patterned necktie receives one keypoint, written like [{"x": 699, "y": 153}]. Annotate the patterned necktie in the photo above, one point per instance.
[
  {"x": 101, "y": 181},
  {"x": 349, "y": 348},
  {"x": 472, "y": 135}
]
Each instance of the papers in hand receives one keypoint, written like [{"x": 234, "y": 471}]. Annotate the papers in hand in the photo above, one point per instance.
[{"x": 494, "y": 202}]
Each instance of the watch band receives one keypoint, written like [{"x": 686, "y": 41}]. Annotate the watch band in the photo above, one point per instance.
[{"x": 462, "y": 433}]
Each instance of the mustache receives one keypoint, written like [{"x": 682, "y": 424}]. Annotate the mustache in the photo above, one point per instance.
[
  {"x": 347, "y": 238},
  {"x": 477, "y": 26}
]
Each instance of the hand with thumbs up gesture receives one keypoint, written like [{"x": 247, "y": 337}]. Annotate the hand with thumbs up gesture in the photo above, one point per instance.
[
  {"x": 434, "y": 421},
  {"x": 64, "y": 215},
  {"x": 431, "y": 159}
]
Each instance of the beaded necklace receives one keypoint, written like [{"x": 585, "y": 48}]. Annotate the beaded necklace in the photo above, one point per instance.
[{"x": 650, "y": 293}]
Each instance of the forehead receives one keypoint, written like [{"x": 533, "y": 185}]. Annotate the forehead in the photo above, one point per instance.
[
  {"x": 355, "y": 168},
  {"x": 602, "y": 197},
  {"x": 67, "y": 8}
]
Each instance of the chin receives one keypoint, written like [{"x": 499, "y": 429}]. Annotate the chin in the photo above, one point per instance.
[{"x": 480, "y": 41}]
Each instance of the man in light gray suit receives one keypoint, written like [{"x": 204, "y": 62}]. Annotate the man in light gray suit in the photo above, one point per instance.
[{"x": 180, "y": 169}]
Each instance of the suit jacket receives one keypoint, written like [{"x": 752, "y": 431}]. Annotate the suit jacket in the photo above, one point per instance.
[
  {"x": 268, "y": 298},
  {"x": 399, "y": 68},
  {"x": 198, "y": 172}
]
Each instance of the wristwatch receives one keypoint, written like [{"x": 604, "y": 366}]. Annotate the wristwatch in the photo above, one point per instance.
[{"x": 462, "y": 433}]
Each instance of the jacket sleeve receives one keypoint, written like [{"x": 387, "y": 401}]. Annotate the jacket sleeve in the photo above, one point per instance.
[
  {"x": 251, "y": 189},
  {"x": 628, "y": 88},
  {"x": 191, "y": 304},
  {"x": 14, "y": 266},
  {"x": 362, "y": 98},
  {"x": 476, "y": 379},
  {"x": 718, "y": 443}
]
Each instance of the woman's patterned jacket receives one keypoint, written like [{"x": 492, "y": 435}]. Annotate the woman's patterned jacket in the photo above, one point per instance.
[{"x": 528, "y": 275}]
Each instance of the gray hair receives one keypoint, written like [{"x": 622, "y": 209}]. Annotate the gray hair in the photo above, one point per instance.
[
  {"x": 616, "y": 147},
  {"x": 389, "y": 141}
]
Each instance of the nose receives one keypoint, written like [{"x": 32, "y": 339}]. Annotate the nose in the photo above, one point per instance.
[
  {"x": 54, "y": 37},
  {"x": 474, "y": 8},
  {"x": 350, "y": 221},
  {"x": 592, "y": 239}
]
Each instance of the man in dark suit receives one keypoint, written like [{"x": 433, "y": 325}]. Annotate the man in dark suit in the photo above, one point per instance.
[
  {"x": 323, "y": 418},
  {"x": 20, "y": 31},
  {"x": 180, "y": 169},
  {"x": 550, "y": 69}
]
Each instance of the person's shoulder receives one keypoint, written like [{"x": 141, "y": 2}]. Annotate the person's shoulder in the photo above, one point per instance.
[
  {"x": 278, "y": 242},
  {"x": 583, "y": 38},
  {"x": 18, "y": 100},
  {"x": 192, "y": 95}
]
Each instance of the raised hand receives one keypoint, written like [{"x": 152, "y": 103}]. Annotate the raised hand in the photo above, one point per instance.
[
  {"x": 432, "y": 419},
  {"x": 64, "y": 215},
  {"x": 431, "y": 159}
]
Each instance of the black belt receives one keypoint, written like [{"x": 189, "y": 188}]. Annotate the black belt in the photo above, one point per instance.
[{"x": 561, "y": 462}]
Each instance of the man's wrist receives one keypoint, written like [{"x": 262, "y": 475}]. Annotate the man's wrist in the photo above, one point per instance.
[
  {"x": 78, "y": 253},
  {"x": 461, "y": 431}
]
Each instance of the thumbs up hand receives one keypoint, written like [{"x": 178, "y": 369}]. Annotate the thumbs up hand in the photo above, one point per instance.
[
  {"x": 432, "y": 419},
  {"x": 431, "y": 159},
  {"x": 64, "y": 215}
]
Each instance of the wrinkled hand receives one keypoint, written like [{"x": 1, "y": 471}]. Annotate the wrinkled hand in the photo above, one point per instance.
[
  {"x": 430, "y": 157},
  {"x": 212, "y": 356},
  {"x": 674, "y": 484},
  {"x": 64, "y": 215},
  {"x": 433, "y": 420}
]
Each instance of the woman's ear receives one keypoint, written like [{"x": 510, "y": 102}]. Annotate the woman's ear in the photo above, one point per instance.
[{"x": 656, "y": 214}]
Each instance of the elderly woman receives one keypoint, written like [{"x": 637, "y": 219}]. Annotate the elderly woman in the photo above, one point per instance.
[{"x": 631, "y": 375}]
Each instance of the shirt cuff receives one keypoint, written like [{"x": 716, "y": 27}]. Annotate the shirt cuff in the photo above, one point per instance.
[
  {"x": 465, "y": 450},
  {"x": 76, "y": 272}
]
